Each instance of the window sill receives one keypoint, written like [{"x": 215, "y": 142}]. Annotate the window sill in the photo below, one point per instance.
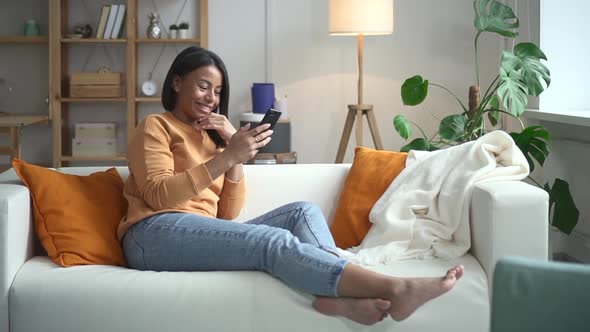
[{"x": 578, "y": 118}]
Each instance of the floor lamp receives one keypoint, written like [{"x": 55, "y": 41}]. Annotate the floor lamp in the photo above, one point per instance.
[{"x": 360, "y": 18}]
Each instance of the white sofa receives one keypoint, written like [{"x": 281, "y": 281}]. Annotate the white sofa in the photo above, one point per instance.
[{"x": 507, "y": 218}]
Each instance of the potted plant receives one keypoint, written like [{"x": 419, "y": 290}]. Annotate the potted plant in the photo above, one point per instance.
[
  {"x": 183, "y": 30},
  {"x": 521, "y": 74},
  {"x": 173, "y": 31}
]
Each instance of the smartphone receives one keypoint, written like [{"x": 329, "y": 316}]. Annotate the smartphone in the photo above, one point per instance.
[{"x": 271, "y": 116}]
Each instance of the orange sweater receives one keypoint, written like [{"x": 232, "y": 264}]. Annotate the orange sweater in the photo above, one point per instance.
[{"x": 167, "y": 173}]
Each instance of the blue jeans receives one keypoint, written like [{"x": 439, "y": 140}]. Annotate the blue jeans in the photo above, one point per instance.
[{"x": 292, "y": 243}]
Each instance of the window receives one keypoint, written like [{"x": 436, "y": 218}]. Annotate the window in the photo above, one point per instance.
[{"x": 565, "y": 40}]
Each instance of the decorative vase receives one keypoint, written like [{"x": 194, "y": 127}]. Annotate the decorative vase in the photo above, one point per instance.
[
  {"x": 154, "y": 31},
  {"x": 174, "y": 34},
  {"x": 31, "y": 28},
  {"x": 182, "y": 33}
]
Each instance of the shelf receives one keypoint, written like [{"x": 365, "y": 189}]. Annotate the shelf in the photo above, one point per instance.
[
  {"x": 23, "y": 39},
  {"x": 168, "y": 41},
  {"x": 92, "y": 41},
  {"x": 17, "y": 120},
  {"x": 94, "y": 100},
  {"x": 101, "y": 158},
  {"x": 66, "y": 53},
  {"x": 148, "y": 99}
]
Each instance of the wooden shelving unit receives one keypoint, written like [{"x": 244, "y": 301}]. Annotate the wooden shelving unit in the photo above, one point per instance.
[
  {"x": 114, "y": 158},
  {"x": 59, "y": 77},
  {"x": 148, "y": 99},
  {"x": 92, "y": 41},
  {"x": 168, "y": 41},
  {"x": 93, "y": 100},
  {"x": 12, "y": 123},
  {"x": 24, "y": 39}
]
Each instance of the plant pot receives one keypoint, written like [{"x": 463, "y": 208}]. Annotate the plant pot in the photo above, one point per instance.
[
  {"x": 173, "y": 34},
  {"x": 182, "y": 33}
]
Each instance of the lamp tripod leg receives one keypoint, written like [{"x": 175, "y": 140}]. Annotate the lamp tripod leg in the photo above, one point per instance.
[
  {"x": 374, "y": 129},
  {"x": 359, "y": 128},
  {"x": 345, "y": 136}
]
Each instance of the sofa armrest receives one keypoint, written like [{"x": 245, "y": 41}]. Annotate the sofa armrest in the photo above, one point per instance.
[
  {"x": 508, "y": 218},
  {"x": 16, "y": 240}
]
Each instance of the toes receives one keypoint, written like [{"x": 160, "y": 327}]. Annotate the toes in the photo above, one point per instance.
[
  {"x": 451, "y": 274},
  {"x": 382, "y": 305}
]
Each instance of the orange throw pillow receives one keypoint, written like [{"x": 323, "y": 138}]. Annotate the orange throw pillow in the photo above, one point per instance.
[
  {"x": 371, "y": 173},
  {"x": 76, "y": 217}
]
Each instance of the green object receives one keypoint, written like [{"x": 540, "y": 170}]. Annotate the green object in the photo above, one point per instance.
[
  {"x": 32, "y": 28},
  {"x": 521, "y": 74},
  {"x": 539, "y": 296},
  {"x": 402, "y": 126}
]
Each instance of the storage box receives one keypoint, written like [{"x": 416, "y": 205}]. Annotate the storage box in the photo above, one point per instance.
[
  {"x": 96, "y": 85},
  {"x": 94, "y": 147},
  {"x": 90, "y": 130}
]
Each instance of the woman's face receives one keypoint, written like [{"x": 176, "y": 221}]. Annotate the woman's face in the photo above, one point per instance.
[{"x": 198, "y": 93}]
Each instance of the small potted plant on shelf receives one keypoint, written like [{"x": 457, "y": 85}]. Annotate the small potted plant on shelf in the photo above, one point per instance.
[
  {"x": 183, "y": 30},
  {"x": 173, "y": 31}
]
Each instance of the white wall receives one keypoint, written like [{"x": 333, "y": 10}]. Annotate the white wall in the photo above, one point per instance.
[{"x": 319, "y": 71}]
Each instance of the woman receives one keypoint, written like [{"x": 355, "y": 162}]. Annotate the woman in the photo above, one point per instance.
[{"x": 186, "y": 182}]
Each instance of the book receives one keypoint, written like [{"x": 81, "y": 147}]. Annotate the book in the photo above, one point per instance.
[
  {"x": 117, "y": 29},
  {"x": 104, "y": 15},
  {"x": 111, "y": 21}
]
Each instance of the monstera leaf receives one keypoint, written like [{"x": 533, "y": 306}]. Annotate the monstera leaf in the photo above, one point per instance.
[
  {"x": 414, "y": 90},
  {"x": 493, "y": 115},
  {"x": 494, "y": 16},
  {"x": 565, "y": 213},
  {"x": 402, "y": 126},
  {"x": 527, "y": 60},
  {"x": 452, "y": 127},
  {"x": 533, "y": 142},
  {"x": 419, "y": 144},
  {"x": 513, "y": 91}
]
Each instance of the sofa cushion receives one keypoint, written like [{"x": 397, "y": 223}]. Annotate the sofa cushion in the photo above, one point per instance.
[
  {"x": 370, "y": 175},
  {"x": 76, "y": 217},
  {"x": 108, "y": 298}
]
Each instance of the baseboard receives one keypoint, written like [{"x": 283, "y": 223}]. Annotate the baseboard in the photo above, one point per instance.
[
  {"x": 577, "y": 247},
  {"x": 564, "y": 257}
]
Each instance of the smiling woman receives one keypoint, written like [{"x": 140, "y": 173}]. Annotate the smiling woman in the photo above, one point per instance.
[
  {"x": 186, "y": 183},
  {"x": 192, "y": 71}
]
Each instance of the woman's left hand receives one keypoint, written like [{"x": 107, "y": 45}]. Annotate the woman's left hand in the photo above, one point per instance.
[{"x": 217, "y": 122}]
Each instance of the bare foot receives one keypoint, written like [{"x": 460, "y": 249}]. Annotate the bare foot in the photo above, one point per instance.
[
  {"x": 410, "y": 294},
  {"x": 362, "y": 311}
]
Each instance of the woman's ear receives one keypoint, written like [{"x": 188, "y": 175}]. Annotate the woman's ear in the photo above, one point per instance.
[{"x": 176, "y": 83}]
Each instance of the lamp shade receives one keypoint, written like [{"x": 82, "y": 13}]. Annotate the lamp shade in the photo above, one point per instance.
[{"x": 366, "y": 17}]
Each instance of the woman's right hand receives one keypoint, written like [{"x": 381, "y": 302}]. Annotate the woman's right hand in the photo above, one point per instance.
[{"x": 246, "y": 142}]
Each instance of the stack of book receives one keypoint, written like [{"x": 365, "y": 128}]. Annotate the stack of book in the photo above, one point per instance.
[{"x": 111, "y": 23}]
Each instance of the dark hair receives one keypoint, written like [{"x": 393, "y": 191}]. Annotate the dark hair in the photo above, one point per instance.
[{"x": 187, "y": 61}]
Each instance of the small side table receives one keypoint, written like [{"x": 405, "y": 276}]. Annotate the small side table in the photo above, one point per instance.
[{"x": 11, "y": 124}]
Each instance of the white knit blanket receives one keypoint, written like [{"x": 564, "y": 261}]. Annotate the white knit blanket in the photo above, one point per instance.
[{"x": 424, "y": 213}]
